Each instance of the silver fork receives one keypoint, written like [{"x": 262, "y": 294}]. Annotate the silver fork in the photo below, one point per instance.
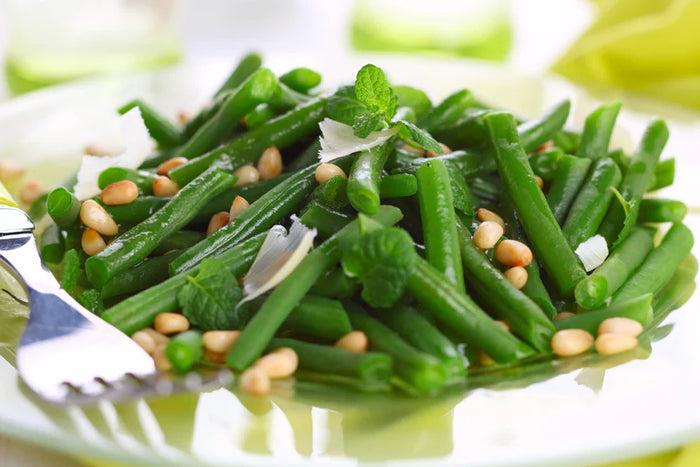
[{"x": 67, "y": 355}]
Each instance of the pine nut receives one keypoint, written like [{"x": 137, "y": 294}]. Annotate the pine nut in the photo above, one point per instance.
[
  {"x": 219, "y": 341},
  {"x": 94, "y": 216},
  {"x": 609, "y": 344},
  {"x": 563, "y": 315},
  {"x": 214, "y": 357},
  {"x": 165, "y": 167},
  {"x": 625, "y": 326},
  {"x": 237, "y": 206},
  {"x": 10, "y": 171},
  {"x": 418, "y": 152},
  {"x": 247, "y": 175},
  {"x": 145, "y": 341},
  {"x": 484, "y": 215},
  {"x": 540, "y": 182},
  {"x": 161, "y": 359},
  {"x": 92, "y": 242},
  {"x": 171, "y": 323},
  {"x": 503, "y": 324},
  {"x": 122, "y": 192},
  {"x": 569, "y": 342},
  {"x": 487, "y": 235},
  {"x": 354, "y": 341},
  {"x": 217, "y": 221},
  {"x": 484, "y": 358},
  {"x": 517, "y": 276},
  {"x": 445, "y": 150},
  {"x": 255, "y": 381},
  {"x": 157, "y": 337},
  {"x": 163, "y": 186},
  {"x": 327, "y": 171},
  {"x": 30, "y": 191},
  {"x": 280, "y": 363},
  {"x": 182, "y": 117},
  {"x": 513, "y": 253},
  {"x": 270, "y": 163}
]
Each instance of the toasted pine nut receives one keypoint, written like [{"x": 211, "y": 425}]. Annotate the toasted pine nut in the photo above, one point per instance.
[
  {"x": 161, "y": 359},
  {"x": 163, "y": 186},
  {"x": 247, "y": 175},
  {"x": 539, "y": 181},
  {"x": 237, "y": 206},
  {"x": 354, "y": 341},
  {"x": 255, "y": 381},
  {"x": 517, "y": 276},
  {"x": 219, "y": 341},
  {"x": 327, "y": 171},
  {"x": 165, "y": 167},
  {"x": 217, "y": 221},
  {"x": 609, "y": 344},
  {"x": 214, "y": 357},
  {"x": 487, "y": 235},
  {"x": 94, "y": 216},
  {"x": 30, "y": 191},
  {"x": 10, "y": 171},
  {"x": 568, "y": 342},
  {"x": 484, "y": 215},
  {"x": 270, "y": 163},
  {"x": 280, "y": 363},
  {"x": 145, "y": 341},
  {"x": 546, "y": 145},
  {"x": 92, "y": 242},
  {"x": 563, "y": 315},
  {"x": 170, "y": 323},
  {"x": 122, "y": 192},
  {"x": 503, "y": 324},
  {"x": 484, "y": 358},
  {"x": 157, "y": 337},
  {"x": 416, "y": 151},
  {"x": 182, "y": 117},
  {"x": 625, "y": 326},
  {"x": 513, "y": 253},
  {"x": 445, "y": 150}
]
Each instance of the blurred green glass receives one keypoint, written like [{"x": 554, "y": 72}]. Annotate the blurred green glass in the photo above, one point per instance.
[
  {"x": 49, "y": 42},
  {"x": 470, "y": 28}
]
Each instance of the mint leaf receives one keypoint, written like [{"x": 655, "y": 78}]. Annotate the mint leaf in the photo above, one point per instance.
[
  {"x": 91, "y": 299},
  {"x": 344, "y": 109},
  {"x": 372, "y": 89},
  {"x": 367, "y": 123},
  {"x": 382, "y": 260},
  {"x": 413, "y": 98},
  {"x": 210, "y": 297},
  {"x": 418, "y": 135}
]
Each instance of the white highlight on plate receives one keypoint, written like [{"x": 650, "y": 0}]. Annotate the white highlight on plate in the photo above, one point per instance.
[
  {"x": 279, "y": 254},
  {"x": 592, "y": 252},
  {"x": 138, "y": 145},
  {"x": 338, "y": 140}
]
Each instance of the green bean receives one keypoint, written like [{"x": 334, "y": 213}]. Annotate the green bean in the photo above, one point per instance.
[
  {"x": 308, "y": 156},
  {"x": 570, "y": 175},
  {"x": 567, "y": 141},
  {"x": 139, "y": 311},
  {"x": 592, "y": 202},
  {"x": 661, "y": 210},
  {"x": 664, "y": 173},
  {"x": 260, "y": 115},
  {"x": 365, "y": 177},
  {"x": 159, "y": 127},
  {"x": 332, "y": 192},
  {"x": 609, "y": 276},
  {"x": 318, "y": 317},
  {"x": 257, "y": 89},
  {"x": 90, "y": 300},
  {"x": 257, "y": 333},
  {"x": 488, "y": 189},
  {"x": 305, "y": 380},
  {"x": 469, "y": 163},
  {"x": 301, "y": 79},
  {"x": 280, "y": 201},
  {"x": 635, "y": 182},
  {"x": 469, "y": 130},
  {"x": 248, "y": 65},
  {"x": 447, "y": 112},
  {"x": 415, "y": 329},
  {"x": 419, "y": 369},
  {"x": 675, "y": 293},
  {"x": 37, "y": 210},
  {"x": 133, "y": 245},
  {"x": 459, "y": 313},
  {"x": 184, "y": 350},
  {"x": 544, "y": 163},
  {"x": 533, "y": 133},
  {"x": 335, "y": 284},
  {"x": 398, "y": 186},
  {"x": 281, "y": 132},
  {"x": 139, "y": 277},
  {"x": 137, "y": 211},
  {"x": 525, "y": 318},
  {"x": 638, "y": 309},
  {"x": 368, "y": 367},
  {"x": 621, "y": 159},
  {"x": 558, "y": 259},
  {"x": 597, "y": 131},
  {"x": 51, "y": 244},
  {"x": 178, "y": 241},
  {"x": 439, "y": 222},
  {"x": 659, "y": 265},
  {"x": 63, "y": 207},
  {"x": 71, "y": 271},
  {"x": 324, "y": 219},
  {"x": 142, "y": 178}
]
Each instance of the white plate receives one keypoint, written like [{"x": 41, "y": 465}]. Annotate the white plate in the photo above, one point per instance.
[{"x": 575, "y": 417}]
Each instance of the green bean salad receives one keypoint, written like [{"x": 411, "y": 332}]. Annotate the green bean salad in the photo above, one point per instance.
[{"x": 368, "y": 237}]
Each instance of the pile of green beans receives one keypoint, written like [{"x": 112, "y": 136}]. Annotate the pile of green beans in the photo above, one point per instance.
[{"x": 495, "y": 228}]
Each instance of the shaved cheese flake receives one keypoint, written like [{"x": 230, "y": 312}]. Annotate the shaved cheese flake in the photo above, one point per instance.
[
  {"x": 279, "y": 254},
  {"x": 593, "y": 252},
  {"x": 338, "y": 140},
  {"x": 138, "y": 145}
]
